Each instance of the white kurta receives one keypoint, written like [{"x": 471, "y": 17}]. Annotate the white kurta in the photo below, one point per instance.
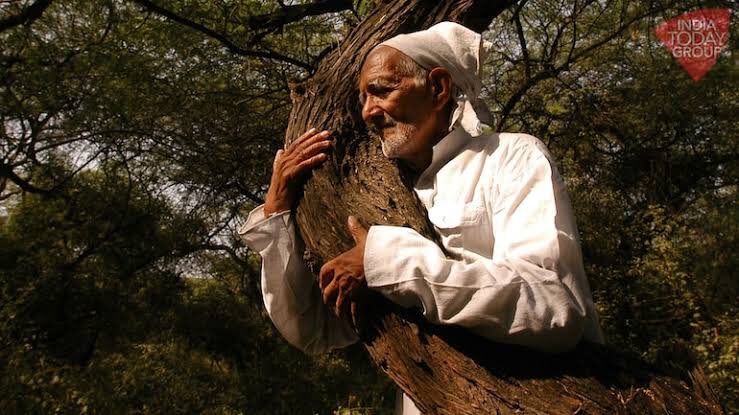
[{"x": 515, "y": 274}]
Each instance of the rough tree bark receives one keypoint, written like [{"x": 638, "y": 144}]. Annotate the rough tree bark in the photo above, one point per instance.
[{"x": 446, "y": 370}]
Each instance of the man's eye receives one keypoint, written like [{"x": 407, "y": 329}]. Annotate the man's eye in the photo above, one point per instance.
[{"x": 380, "y": 90}]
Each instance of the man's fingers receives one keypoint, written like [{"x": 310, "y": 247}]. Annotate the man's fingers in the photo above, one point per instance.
[
  {"x": 278, "y": 157},
  {"x": 304, "y": 149},
  {"x": 345, "y": 289},
  {"x": 310, "y": 132},
  {"x": 314, "y": 148},
  {"x": 315, "y": 138},
  {"x": 326, "y": 274},
  {"x": 306, "y": 135},
  {"x": 330, "y": 291},
  {"x": 310, "y": 163},
  {"x": 340, "y": 297},
  {"x": 307, "y": 139},
  {"x": 291, "y": 173}
]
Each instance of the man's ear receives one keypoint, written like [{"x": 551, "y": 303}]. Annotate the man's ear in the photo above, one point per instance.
[{"x": 440, "y": 82}]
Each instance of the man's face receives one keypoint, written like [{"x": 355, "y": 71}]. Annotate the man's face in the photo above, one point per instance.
[{"x": 394, "y": 107}]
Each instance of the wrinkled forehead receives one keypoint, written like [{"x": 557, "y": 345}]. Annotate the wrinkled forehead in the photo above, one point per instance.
[{"x": 381, "y": 62}]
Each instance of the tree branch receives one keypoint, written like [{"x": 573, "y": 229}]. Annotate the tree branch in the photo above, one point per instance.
[
  {"x": 293, "y": 13},
  {"x": 522, "y": 39},
  {"x": 223, "y": 248},
  {"x": 7, "y": 172},
  {"x": 519, "y": 94},
  {"x": 551, "y": 70},
  {"x": 232, "y": 47},
  {"x": 26, "y": 16}
]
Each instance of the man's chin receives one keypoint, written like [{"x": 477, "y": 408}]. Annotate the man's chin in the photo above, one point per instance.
[
  {"x": 388, "y": 152},
  {"x": 391, "y": 152}
]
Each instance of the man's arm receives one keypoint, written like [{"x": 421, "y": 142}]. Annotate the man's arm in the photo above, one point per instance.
[
  {"x": 291, "y": 294},
  {"x": 532, "y": 292},
  {"x": 290, "y": 291}
]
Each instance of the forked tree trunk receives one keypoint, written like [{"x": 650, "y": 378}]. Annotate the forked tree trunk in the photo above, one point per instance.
[{"x": 446, "y": 370}]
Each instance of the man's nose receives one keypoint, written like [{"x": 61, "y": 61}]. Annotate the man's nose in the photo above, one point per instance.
[{"x": 370, "y": 109}]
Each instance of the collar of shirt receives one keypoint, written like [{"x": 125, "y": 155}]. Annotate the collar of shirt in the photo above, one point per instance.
[{"x": 445, "y": 150}]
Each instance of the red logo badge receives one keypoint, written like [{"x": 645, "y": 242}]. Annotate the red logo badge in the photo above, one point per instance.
[{"x": 695, "y": 39}]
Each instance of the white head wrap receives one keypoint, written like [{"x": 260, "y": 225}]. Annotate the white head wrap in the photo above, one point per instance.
[{"x": 460, "y": 51}]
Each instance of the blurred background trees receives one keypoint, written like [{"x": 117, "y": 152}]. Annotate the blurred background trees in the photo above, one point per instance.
[{"x": 136, "y": 135}]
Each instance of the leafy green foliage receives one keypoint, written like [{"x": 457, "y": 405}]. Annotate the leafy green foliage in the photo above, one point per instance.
[
  {"x": 130, "y": 145},
  {"x": 97, "y": 318}
]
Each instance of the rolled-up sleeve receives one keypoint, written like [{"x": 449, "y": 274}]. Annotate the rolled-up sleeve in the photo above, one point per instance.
[{"x": 290, "y": 291}]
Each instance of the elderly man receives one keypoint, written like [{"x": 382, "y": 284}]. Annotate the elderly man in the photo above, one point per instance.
[{"x": 514, "y": 273}]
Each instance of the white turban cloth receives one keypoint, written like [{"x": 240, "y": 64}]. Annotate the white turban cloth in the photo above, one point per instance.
[{"x": 459, "y": 50}]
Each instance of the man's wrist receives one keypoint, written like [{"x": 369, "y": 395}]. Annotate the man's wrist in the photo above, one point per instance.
[{"x": 270, "y": 209}]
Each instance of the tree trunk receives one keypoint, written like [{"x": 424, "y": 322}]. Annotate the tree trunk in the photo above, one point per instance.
[{"x": 446, "y": 370}]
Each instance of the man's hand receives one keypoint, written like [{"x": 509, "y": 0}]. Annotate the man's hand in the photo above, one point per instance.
[
  {"x": 304, "y": 154},
  {"x": 342, "y": 278}
]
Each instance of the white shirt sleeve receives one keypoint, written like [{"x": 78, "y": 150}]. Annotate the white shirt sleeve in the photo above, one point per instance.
[
  {"x": 290, "y": 291},
  {"x": 519, "y": 294}
]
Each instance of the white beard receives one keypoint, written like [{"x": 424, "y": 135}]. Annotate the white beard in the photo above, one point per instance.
[{"x": 396, "y": 139}]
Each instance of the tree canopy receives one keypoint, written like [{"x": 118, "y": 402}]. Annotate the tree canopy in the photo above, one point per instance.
[{"x": 137, "y": 134}]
